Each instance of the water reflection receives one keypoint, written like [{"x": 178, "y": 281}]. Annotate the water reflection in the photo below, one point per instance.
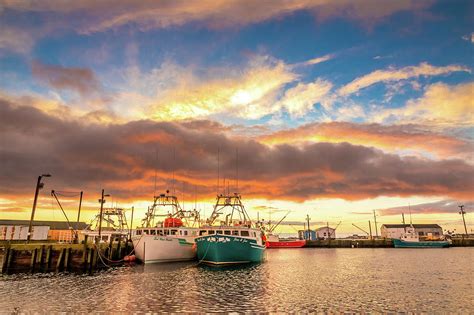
[{"x": 296, "y": 280}]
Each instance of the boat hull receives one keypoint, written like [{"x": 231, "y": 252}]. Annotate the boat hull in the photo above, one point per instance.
[
  {"x": 286, "y": 244},
  {"x": 228, "y": 249},
  {"x": 157, "y": 249},
  {"x": 422, "y": 244}
]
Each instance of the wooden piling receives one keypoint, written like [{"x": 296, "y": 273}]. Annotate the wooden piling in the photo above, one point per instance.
[
  {"x": 6, "y": 256},
  {"x": 67, "y": 259},
  {"x": 60, "y": 260},
  {"x": 34, "y": 254},
  {"x": 9, "y": 260},
  {"x": 94, "y": 260},
  {"x": 40, "y": 259},
  {"x": 89, "y": 260},
  {"x": 48, "y": 258}
]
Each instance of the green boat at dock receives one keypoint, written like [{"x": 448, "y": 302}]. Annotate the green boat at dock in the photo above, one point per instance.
[
  {"x": 228, "y": 249},
  {"x": 235, "y": 240},
  {"x": 410, "y": 239}
]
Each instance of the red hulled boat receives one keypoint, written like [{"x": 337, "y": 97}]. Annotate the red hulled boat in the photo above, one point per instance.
[{"x": 273, "y": 241}]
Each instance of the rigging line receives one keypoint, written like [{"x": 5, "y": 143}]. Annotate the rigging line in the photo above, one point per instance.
[
  {"x": 174, "y": 160},
  {"x": 237, "y": 169},
  {"x": 156, "y": 161}
]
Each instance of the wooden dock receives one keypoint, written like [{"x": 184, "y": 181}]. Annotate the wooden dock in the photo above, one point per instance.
[
  {"x": 349, "y": 243},
  {"x": 376, "y": 243},
  {"x": 54, "y": 257}
]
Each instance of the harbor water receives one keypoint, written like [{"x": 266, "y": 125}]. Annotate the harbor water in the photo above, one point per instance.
[{"x": 291, "y": 280}]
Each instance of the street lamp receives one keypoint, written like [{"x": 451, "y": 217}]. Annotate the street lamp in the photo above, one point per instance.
[
  {"x": 102, "y": 201},
  {"x": 39, "y": 185}
]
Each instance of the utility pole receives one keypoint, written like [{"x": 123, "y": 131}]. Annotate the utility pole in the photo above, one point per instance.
[
  {"x": 39, "y": 185},
  {"x": 102, "y": 201},
  {"x": 375, "y": 223},
  {"x": 462, "y": 212},
  {"x": 131, "y": 224},
  {"x": 309, "y": 231},
  {"x": 79, "y": 211},
  {"x": 370, "y": 230}
]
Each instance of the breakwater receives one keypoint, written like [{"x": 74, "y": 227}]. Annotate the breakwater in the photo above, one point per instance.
[
  {"x": 54, "y": 257},
  {"x": 375, "y": 243},
  {"x": 348, "y": 243}
]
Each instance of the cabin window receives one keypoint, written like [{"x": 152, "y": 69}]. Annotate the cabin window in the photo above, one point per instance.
[
  {"x": 211, "y": 232},
  {"x": 235, "y": 232},
  {"x": 139, "y": 232},
  {"x": 202, "y": 232},
  {"x": 185, "y": 233},
  {"x": 421, "y": 233},
  {"x": 436, "y": 233},
  {"x": 219, "y": 232},
  {"x": 173, "y": 232},
  {"x": 147, "y": 232},
  {"x": 244, "y": 233},
  {"x": 167, "y": 232},
  {"x": 227, "y": 232},
  {"x": 160, "y": 232}
]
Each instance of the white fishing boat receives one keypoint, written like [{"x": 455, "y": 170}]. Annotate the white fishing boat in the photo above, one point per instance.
[{"x": 171, "y": 239}]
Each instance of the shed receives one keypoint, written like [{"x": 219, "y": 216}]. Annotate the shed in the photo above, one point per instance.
[{"x": 326, "y": 232}]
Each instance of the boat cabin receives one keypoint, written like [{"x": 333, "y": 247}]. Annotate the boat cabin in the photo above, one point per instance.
[{"x": 167, "y": 231}]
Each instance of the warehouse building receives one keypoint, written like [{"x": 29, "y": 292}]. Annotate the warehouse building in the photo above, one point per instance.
[
  {"x": 11, "y": 230},
  {"x": 423, "y": 230},
  {"x": 326, "y": 232}
]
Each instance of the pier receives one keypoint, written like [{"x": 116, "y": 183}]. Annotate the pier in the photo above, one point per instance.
[{"x": 54, "y": 257}]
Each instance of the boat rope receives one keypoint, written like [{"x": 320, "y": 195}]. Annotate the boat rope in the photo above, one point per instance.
[
  {"x": 205, "y": 254},
  {"x": 110, "y": 260}
]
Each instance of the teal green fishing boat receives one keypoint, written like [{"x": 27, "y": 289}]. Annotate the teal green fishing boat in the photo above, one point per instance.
[
  {"x": 234, "y": 241},
  {"x": 420, "y": 244},
  {"x": 228, "y": 249},
  {"x": 410, "y": 239}
]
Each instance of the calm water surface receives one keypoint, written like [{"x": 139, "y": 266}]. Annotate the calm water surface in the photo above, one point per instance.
[{"x": 291, "y": 280}]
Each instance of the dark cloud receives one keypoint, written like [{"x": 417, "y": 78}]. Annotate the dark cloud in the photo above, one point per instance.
[
  {"x": 123, "y": 158},
  {"x": 442, "y": 206},
  {"x": 80, "y": 80}
]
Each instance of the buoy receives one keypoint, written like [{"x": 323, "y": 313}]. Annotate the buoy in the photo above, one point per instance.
[{"x": 129, "y": 258}]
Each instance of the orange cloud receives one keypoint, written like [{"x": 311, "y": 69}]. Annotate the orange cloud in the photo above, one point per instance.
[
  {"x": 392, "y": 74},
  {"x": 389, "y": 138},
  {"x": 91, "y": 156},
  {"x": 80, "y": 80},
  {"x": 441, "y": 105},
  {"x": 103, "y": 15}
]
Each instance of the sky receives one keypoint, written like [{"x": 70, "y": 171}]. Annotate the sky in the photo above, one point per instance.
[{"x": 328, "y": 108}]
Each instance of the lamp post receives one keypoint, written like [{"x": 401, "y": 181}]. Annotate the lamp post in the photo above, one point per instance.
[
  {"x": 102, "y": 201},
  {"x": 39, "y": 185}
]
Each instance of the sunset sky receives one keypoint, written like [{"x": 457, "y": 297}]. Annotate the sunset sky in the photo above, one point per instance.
[{"x": 336, "y": 107}]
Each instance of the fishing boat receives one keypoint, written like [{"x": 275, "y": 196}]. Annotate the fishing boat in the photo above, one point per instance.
[
  {"x": 410, "y": 239},
  {"x": 232, "y": 241},
  {"x": 274, "y": 241},
  {"x": 168, "y": 240}
]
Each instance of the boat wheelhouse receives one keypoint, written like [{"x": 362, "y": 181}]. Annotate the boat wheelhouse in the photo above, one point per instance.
[
  {"x": 233, "y": 240},
  {"x": 169, "y": 239}
]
